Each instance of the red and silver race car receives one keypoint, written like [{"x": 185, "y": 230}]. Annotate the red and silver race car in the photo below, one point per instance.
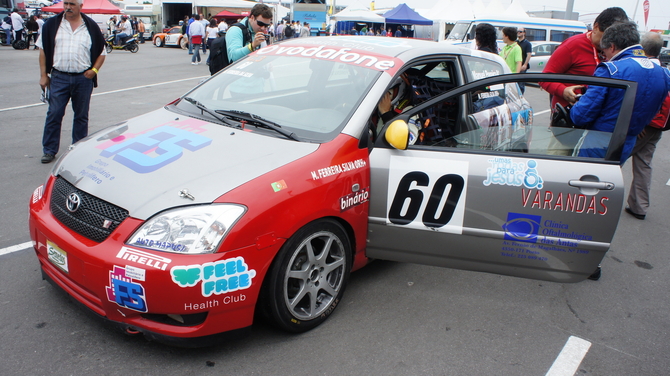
[
  {"x": 173, "y": 37},
  {"x": 262, "y": 188}
]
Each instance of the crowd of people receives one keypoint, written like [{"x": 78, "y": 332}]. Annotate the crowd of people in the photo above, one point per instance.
[
  {"x": 14, "y": 27},
  {"x": 124, "y": 27}
]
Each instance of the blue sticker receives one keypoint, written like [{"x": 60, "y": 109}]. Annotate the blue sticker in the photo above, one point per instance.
[
  {"x": 155, "y": 149},
  {"x": 504, "y": 171},
  {"x": 124, "y": 291},
  {"x": 522, "y": 227}
]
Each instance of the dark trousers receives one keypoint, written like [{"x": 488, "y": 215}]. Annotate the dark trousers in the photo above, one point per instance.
[{"x": 63, "y": 88}]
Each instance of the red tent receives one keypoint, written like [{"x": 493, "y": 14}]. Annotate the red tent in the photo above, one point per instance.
[
  {"x": 227, "y": 14},
  {"x": 90, "y": 7}
]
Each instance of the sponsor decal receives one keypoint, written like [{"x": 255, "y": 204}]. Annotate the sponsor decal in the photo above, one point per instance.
[
  {"x": 354, "y": 199},
  {"x": 338, "y": 169},
  {"x": 279, "y": 185},
  {"x": 57, "y": 256},
  {"x": 528, "y": 236},
  {"x": 228, "y": 299},
  {"x": 167, "y": 246},
  {"x": 485, "y": 73},
  {"x": 97, "y": 171},
  {"x": 143, "y": 258},
  {"x": 153, "y": 150},
  {"x": 220, "y": 277},
  {"x": 505, "y": 171},
  {"x": 568, "y": 202},
  {"x": 37, "y": 193},
  {"x": 427, "y": 194},
  {"x": 352, "y": 56},
  {"x": 123, "y": 290}
]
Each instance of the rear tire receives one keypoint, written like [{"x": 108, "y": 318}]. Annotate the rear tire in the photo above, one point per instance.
[
  {"x": 133, "y": 48},
  {"x": 307, "y": 278},
  {"x": 20, "y": 44},
  {"x": 183, "y": 43}
]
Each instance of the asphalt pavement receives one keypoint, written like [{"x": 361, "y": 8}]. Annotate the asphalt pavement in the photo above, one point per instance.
[{"x": 395, "y": 318}]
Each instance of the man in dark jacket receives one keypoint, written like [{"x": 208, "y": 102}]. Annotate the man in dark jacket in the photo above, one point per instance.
[{"x": 72, "y": 50}]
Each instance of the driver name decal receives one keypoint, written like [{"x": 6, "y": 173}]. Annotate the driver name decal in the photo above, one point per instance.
[
  {"x": 427, "y": 194},
  {"x": 505, "y": 171},
  {"x": 338, "y": 169},
  {"x": 220, "y": 277},
  {"x": 567, "y": 202}
]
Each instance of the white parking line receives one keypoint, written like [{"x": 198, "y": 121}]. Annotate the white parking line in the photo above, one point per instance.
[
  {"x": 110, "y": 92},
  {"x": 15, "y": 248},
  {"x": 570, "y": 357}
]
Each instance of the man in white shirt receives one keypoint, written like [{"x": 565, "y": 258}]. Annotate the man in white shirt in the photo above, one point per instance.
[
  {"x": 17, "y": 24},
  {"x": 124, "y": 29}
]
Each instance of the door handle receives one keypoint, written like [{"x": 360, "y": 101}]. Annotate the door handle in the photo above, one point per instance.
[{"x": 601, "y": 185}]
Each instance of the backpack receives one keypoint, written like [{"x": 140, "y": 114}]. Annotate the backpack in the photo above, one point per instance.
[
  {"x": 288, "y": 31},
  {"x": 218, "y": 53}
]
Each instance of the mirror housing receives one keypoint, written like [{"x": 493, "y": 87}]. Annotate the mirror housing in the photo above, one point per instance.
[{"x": 397, "y": 134}]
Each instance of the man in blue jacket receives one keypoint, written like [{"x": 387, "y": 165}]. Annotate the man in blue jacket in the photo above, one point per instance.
[
  {"x": 598, "y": 108},
  {"x": 241, "y": 41}
]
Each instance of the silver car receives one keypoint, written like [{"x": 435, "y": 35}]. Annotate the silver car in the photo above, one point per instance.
[{"x": 542, "y": 51}]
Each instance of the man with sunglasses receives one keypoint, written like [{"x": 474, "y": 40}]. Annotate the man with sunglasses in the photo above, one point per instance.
[
  {"x": 72, "y": 50},
  {"x": 249, "y": 34}
]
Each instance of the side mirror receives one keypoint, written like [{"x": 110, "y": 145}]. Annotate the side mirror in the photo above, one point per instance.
[{"x": 397, "y": 134}]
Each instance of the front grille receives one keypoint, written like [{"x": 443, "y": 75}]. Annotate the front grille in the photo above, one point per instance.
[{"x": 89, "y": 220}]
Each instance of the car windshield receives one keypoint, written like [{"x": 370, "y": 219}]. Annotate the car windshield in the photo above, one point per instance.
[
  {"x": 309, "y": 97},
  {"x": 459, "y": 31}
]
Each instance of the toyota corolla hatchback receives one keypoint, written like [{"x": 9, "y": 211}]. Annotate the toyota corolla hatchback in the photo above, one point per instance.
[{"x": 262, "y": 188}]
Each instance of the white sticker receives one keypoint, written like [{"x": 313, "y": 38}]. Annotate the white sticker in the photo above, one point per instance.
[
  {"x": 57, "y": 256},
  {"x": 135, "y": 273},
  {"x": 427, "y": 194}
]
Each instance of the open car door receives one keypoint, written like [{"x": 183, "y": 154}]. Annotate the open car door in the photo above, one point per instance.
[{"x": 504, "y": 192}]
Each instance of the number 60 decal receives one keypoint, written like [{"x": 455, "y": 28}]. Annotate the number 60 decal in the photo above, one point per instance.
[{"x": 430, "y": 217}]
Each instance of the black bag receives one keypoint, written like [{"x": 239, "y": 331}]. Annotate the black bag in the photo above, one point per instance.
[
  {"x": 563, "y": 128},
  {"x": 218, "y": 58},
  {"x": 288, "y": 31}
]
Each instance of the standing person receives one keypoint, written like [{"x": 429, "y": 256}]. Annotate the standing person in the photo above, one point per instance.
[
  {"x": 643, "y": 152},
  {"x": 526, "y": 53},
  {"x": 17, "y": 24},
  {"x": 212, "y": 32},
  {"x": 111, "y": 25},
  {"x": 596, "y": 110},
  {"x": 280, "y": 31},
  {"x": 398, "y": 32},
  {"x": 579, "y": 54},
  {"x": 223, "y": 26},
  {"x": 511, "y": 52},
  {"x": 72, "y": 51},
  {"x": 304, "y": 32},
  {"x": 485, "y": 38},
  {"x": 140, "y": 30},
  {"x": 40, "y": 23},
  {"x": 241, "y": 41},
  {"x": 196, "y": 34},
  {"x": 204, "y": 23},
  {"x": 187, "y": 25},
  {"x": 32, "y": 27}
]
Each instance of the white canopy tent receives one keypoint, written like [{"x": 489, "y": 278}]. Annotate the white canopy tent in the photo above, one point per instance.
[{"x": 362, "y": 15}]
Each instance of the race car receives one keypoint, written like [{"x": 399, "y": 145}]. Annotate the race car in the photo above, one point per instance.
[
  {"x": 173, "y": 37},
  {"x": 262, "y": 188}
]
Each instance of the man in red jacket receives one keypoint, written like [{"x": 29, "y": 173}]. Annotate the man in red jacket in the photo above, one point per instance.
[
  {"x": 643, "y": 152},
  {"x": 579, "y": 54}
]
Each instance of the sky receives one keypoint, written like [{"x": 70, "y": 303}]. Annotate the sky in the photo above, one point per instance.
[{"x": 659, "y": 10}]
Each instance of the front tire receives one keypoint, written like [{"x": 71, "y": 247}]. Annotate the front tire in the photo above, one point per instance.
[
  {"x": 308, "y": 277},
  {"x": 108, "y": 47},
  {"x": 158, "y": 42}
]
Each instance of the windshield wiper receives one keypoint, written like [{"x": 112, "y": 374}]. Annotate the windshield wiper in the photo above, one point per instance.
[
  {"x": 204, "y": 108},
  {"x": 258, "y": 121}
]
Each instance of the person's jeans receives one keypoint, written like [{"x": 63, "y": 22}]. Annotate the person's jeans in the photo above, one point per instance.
[
  {"x": 118, "y": 37},
  {"x": 63, "y": 88},
  {"x": 190, "y": 46},
  {"x": 196, "y": 53},
  {"x": 140, "y": 37},
  {"x": 8, "y": 33}
]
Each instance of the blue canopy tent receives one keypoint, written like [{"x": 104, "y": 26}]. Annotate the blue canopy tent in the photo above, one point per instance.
[{"x": 402, "y": 14}]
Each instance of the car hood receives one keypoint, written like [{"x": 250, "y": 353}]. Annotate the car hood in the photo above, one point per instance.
[{"x": 143, "y": 164}]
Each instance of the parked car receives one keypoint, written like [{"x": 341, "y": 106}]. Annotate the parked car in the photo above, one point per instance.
[
  {"x": 38, "y": 3},
  {"x": 664, "y": 57},
  {"x": 173, "y": 37},
  {"x": 542, "y": 51},
  {"x": 262, "y": 188}
]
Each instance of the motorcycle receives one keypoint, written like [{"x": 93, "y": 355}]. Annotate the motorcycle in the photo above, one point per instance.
[{"x": 127, "y": 43}]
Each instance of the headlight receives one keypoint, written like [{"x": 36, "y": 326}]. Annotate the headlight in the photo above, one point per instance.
[{"x": 194, "y": 229}]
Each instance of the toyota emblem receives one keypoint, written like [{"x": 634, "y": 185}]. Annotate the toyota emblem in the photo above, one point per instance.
[{"x": 73, "y": 201}]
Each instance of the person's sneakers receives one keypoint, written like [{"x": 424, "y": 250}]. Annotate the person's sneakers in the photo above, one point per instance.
[
  {"x": 194, "y": 63},
  {"x": 48, "y": 158},
  {"x": 638, "y": 216}
]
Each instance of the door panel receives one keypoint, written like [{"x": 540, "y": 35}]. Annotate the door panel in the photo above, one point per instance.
[{"x": 467, "y": 202}]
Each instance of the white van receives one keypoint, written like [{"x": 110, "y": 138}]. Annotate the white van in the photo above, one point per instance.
[{"x": 537, "y": 29}]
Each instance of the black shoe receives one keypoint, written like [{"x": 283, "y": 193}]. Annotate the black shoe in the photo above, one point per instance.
[
  {"x": 48, "y": 158},
  {"x": 638, "y": 216}
]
